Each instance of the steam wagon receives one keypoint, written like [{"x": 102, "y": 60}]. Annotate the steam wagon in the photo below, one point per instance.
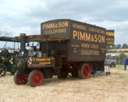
[{"x": 67, "y": 47}]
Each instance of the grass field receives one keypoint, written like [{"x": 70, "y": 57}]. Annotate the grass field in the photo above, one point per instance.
[{"x": 113, "y": 88}]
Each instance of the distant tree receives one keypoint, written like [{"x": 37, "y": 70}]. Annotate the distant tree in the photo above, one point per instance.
[
  {"x": 118, "y": 46},
  {"x": 121, "y": 58},
  {"x": 125, "y": 45}
]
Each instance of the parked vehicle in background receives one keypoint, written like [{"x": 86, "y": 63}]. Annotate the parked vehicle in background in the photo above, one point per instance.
[
  {"x": 7, "y": 62},
  {"x": 8, "y": 55}
]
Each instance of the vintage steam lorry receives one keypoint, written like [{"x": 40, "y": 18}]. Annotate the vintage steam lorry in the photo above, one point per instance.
[{"x": 66, "y": 46}]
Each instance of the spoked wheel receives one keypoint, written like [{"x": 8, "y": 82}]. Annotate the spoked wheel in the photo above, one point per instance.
[
  {"x": 85, "y": 71},
  {"x": 2, "y": 71},
  {"x": 20, "y": 78},
  {"x": 36, "y": 78}
]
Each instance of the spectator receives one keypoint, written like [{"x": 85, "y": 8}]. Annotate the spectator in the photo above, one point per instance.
[
  {"x": 126, "y": 64},
  {"x": 107, "y": 67}
]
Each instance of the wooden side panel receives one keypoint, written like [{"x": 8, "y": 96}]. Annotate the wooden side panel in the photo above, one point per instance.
[
  {"x": 57, "y": 28},
  {"x": 87, "y": 43}
]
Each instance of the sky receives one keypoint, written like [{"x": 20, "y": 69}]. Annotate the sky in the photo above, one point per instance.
[{"x": 25, "y": 16}]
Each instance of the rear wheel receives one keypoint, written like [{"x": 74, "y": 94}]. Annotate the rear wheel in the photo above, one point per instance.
[
  {"x": 85, "y": 71},
  {"x": 36, "y": 78},
  {"x": 20, "y": 78}
]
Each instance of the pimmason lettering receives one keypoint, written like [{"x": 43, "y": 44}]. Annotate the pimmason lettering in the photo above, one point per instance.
[
  {"x": 56, "y": 25},
  {"x": 84, "y": 36}
]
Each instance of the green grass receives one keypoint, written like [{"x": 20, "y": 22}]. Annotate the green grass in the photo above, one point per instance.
[{"x": 120, "y": 67}]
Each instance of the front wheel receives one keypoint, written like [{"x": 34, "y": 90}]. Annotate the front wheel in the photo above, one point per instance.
[{"x": 36, "y": 78}]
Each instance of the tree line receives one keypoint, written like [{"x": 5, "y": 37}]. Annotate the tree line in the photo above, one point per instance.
[{"x": 118, "y": 46}]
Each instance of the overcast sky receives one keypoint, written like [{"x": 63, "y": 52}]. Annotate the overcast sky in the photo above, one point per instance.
[{"x": 25, "y": 16}]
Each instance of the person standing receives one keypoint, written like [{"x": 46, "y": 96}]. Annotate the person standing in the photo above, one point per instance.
[
  {"x": 126, "y": 64},
  {"x": 107, "y": 67}
]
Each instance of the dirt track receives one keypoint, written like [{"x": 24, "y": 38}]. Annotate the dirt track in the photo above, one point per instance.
[{"x": 112, "y": 88}]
